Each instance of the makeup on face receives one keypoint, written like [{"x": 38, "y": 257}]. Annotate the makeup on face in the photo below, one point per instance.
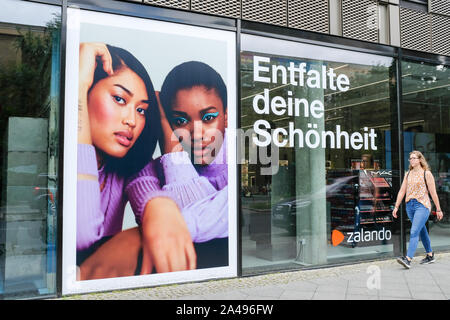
[
  {"x": 117, "y": 106},
  {"x": 201, "y": 113}
]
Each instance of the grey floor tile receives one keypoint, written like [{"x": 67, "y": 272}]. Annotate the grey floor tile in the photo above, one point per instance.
[
  {"x": 266, "y": 291},
  {"x": 393, "y": 280},
  {"x": 301, "y": 286},
  {"x": 361, "y": 297},
  {"x": 357, "y": 284},
  {"x": 256, "y": 297},
  {"x": 334, "y": 289},
  {"x": 443, "y": 277},
  {"x": 227, "y": 295},
  {"x": 420, "y": 280},
  {"x": 394, "y": 298},
  {"x": 393, "y": 284},
  {"x": 328, "y": 296},
  {"x": 418, "y": 271},
  {"x": 296, "y": 295},
  {"x": 360, "y": 276},
  {"x": 390, "y": 283},
  {"x": 395, "y": 287},
  {"x": 428, "y": 296},
  {"x": 445, "y": 291},
  {"x": 193, "y": 297},
  {"x": 413, "y": 288},
  {"x": 420, "y": 285},
  {"x": 395, "y": 293},
  {"x": 329, "y": 280},
  {"x": 390, "y": 277},
  {"x": 333, "y": 286},
  {"x": 436, "y": 267},
  {"x": 414, "y": 273},
  {"x": 443, "y": 283},
  {"x": 362, "y": 291},
  {"x": 395, "y": 271}
]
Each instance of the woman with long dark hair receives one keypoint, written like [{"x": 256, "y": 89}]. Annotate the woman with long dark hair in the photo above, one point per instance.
[{"x": 117, "y": 133}]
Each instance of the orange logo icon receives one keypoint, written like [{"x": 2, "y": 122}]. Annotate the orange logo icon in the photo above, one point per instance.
[{"x": 336, "y": 237}]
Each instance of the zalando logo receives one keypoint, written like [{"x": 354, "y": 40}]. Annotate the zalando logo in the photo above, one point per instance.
[
  {"x": 337, "y": 237},
  {"x": 360, "y": 236}
]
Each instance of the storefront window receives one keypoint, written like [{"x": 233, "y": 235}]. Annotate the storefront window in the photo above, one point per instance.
[
  {"x": 426, "y": 120},
  {"x": 316, "y": 153},
  {"x": 29, "y": 113}
]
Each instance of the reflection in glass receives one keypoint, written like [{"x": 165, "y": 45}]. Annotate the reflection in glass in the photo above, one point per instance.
[
  {"x": 29, "y": 112},
  {"x": 322, "y": 202},
  {"x": 426, "y": 119}
]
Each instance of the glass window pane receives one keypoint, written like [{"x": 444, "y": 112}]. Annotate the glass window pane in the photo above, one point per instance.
[
  {"x": 29, "y": 113},
  {"x": 426, "y": 125},
  {"x": 321, "y": 191}
]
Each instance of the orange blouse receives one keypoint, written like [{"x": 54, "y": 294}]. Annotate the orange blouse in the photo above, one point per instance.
[{"x": 416, "y": 188}]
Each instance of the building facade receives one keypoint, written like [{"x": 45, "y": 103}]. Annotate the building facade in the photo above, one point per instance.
[{"x": 319, "y": 104}]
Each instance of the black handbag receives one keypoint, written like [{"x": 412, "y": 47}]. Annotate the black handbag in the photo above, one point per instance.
[{"x": 433, "y": 215}]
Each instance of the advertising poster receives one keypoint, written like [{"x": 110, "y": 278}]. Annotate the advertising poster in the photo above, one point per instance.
[{"x": 149, "y": 106}]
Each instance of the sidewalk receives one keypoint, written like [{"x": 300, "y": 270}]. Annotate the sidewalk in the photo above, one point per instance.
[{"x": 429, "y": 282}]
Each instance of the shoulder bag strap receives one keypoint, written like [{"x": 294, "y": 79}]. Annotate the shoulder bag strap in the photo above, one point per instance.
[{"x": 425, "y": 179}]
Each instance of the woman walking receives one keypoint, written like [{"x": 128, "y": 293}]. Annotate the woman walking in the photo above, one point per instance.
[{"x": 418, "y": 182}]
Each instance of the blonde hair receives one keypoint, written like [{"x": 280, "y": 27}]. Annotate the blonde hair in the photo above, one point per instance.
[{"x": 422, "y": 160}]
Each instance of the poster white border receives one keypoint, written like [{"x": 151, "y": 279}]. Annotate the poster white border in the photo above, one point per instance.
[{"x": 69, "y": 283}]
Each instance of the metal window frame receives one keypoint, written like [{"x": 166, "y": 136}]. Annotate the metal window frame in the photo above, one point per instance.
[
  {"x": 316, "y": 38},
  {"x": 57, "y": 3},
  {"x": 416, "y": 57},
  {"x": 425, "y": 57},
  {"x": 333, "y": 41},
  {"x": 60, "y": 216},
  {"x": 336, "y": 42},
  {"x": 141, "y": 10},
  {"x": 401, "y": 146},
  {"x": 239, "y": 166},
  {"x": 138, "y": 10},
  {"x": 420, "y": 5},
  {"x": 53, "y": 2}
]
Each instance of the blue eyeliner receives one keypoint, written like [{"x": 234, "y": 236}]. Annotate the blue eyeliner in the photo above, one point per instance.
[
  {"x": 182, "y": 119},
  {"x": 215, "y": 114}
]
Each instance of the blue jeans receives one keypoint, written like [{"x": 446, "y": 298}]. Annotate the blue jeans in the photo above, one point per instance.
[{"x": 418, "y": 214}]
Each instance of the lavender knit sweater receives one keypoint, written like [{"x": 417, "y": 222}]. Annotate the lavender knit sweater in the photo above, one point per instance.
[{"x": 200, "y": 192}]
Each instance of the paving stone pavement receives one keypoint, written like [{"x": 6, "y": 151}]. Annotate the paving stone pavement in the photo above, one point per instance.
[{"x": 377, "y": 280}]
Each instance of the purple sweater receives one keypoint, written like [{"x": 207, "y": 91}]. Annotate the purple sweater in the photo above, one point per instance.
[{"x": 200, "y": 192}]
